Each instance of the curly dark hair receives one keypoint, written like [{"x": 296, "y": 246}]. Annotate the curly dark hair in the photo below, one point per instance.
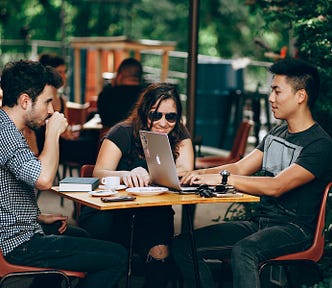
[
  {"x": 154, "y": 93},
  {"x": 28, "y": 77}
]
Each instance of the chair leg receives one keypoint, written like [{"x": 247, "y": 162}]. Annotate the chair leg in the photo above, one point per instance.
[
  {"x": 130, "y": 254},
  {"x": 290, "y": 274},
  {"x": 62, "y": 201},
  {"x": 57, "y": 177},
  {"x": 64, "y": 173},
  {"x": 70, "y": 171},
  {"x": 77, "y": 211},
  {"x": 64, "y": 170}
]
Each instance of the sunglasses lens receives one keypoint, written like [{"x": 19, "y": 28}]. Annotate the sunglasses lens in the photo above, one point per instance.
[
  {"x": 171, "y": 117},
  {"x": 155, "y": 115}
]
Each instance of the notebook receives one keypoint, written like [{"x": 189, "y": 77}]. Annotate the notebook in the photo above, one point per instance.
[
  {"x": 78, "y": 184},
  {"x": 159, "y": 158}
]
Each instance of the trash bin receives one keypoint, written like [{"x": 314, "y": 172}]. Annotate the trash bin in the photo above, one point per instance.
[{"x": 216, "y": 81}]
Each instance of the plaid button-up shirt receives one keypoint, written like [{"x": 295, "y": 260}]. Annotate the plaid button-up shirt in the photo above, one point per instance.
[{"x": 19, "y": 170}]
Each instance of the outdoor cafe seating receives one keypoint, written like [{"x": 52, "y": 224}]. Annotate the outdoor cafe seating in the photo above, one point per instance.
[
  {"x": 291, "y": 264},
  {"x": 237, "y": 152}
]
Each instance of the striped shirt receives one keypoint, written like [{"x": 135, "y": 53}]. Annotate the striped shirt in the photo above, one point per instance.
[{"x": 19, "y": 170}]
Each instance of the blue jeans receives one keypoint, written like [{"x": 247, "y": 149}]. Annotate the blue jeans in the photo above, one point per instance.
[
  {"x": 245, "y": 243},
  {"x": 104, "y": 262}
]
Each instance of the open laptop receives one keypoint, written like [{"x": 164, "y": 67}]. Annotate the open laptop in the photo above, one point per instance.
[{"x": 159, "y": 157}]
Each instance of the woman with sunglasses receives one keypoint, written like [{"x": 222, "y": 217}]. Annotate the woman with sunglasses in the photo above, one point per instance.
[{"x": 121, "y": 154}]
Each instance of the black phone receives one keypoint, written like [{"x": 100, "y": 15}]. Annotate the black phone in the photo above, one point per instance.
[{"x": 117, "y": 199}]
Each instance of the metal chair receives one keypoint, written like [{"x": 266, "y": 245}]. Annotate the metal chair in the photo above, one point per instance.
[
  {"x": 309, "y": 256},
  {"x": 237, "y": 152},
  {"x": 8, "y": 270},
  {"x": 86, "y": 171}
]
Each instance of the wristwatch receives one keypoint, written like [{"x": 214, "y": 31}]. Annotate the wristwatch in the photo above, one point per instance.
[{"x": 224, "y": 176}]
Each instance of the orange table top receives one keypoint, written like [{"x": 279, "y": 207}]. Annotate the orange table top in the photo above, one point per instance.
[{"x": 168, "y": 198}]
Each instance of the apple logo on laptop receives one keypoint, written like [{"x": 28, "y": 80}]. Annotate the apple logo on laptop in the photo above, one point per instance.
[{"x": 158, "y": 159}]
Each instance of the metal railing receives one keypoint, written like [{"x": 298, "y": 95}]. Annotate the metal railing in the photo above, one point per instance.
[{"x": 255, "y": 74}]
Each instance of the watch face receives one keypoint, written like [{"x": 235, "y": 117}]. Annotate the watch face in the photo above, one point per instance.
[{"x": 224, "y": 174}]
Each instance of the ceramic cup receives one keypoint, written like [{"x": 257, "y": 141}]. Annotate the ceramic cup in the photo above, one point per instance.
[{"x": 110, "y": 181}]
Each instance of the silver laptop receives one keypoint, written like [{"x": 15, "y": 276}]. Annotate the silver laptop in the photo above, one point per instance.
[{"x": 159, "y": 157}]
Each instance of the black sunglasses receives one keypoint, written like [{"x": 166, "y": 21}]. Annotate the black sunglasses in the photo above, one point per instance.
[{"x": 170, "y": 117}]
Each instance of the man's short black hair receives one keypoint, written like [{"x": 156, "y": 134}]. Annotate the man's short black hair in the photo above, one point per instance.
[
  {"x": 28, "y": 77},
  {"x": 300, "y": 75}
]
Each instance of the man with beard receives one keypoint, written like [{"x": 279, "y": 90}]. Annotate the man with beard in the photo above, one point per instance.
[{"x": 28, "y": 90}]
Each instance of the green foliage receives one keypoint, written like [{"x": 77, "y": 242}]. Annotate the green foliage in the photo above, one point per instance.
[
  {"x": 226, "y": 27},
  {"x": 309, "y": 26}
]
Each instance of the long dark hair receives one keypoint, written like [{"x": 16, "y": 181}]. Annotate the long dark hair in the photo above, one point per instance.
[{"x": 139, "y": 117}]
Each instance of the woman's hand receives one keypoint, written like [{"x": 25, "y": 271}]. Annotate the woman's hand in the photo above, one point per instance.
[
  {"x": 52, "y": 218},
  {"x": 137, "y": 177}
]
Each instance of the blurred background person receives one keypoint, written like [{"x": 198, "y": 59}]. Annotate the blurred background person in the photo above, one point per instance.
[
  {"x": 59, "y": 64},
  {"x": 77, "y": 147},
  {"x": 117, "y": 99},
  {"x": 59, "y": 101}
]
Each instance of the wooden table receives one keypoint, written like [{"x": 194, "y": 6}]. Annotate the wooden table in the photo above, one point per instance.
[
  {"x": 150, "y": 201},
  {"x": 165, "y": 199}
]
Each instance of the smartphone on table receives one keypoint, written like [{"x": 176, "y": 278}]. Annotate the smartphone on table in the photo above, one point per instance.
[{"x": 117, "y": 199}]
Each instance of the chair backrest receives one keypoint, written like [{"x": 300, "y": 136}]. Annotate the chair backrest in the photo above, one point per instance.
[
  {"x": 87, "y": 170},
  {"x": 77, "y": 113},
  {"x": 237, "y": 152},
  {"x": 315, "y": 252},
  {"x": 240, "y": 140}
]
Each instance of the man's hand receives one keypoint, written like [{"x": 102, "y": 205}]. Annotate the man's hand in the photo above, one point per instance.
[
  {"x": 193, "y": 178},
  {"x": 52, "y": 218},
  {"x": 186, "y": 177},
  {"x": 57, "y": 123},
  {"x": 137, "y": 177}
]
